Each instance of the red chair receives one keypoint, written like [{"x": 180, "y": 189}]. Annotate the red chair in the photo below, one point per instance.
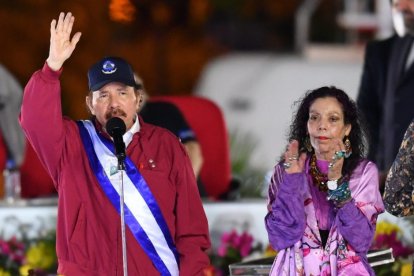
[
  {"x": 35, "y": 181},
  {"x": 3, "y": 160},
  {"x": 207, "y": 122}
]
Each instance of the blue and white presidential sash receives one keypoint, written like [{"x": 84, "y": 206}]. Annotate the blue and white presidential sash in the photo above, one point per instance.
[{"x": 142, "y": 213}]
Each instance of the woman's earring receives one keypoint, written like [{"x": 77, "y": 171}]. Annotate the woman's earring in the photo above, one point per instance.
[
  {"x": 348, "y": 147},
  {"x": 307, "y": 144}
]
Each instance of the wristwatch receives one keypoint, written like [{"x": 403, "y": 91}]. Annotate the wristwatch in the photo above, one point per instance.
[{"x": 332, "y": 184}]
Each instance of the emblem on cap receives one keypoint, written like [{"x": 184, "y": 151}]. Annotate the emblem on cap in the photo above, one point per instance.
[{"x": 108, "y": 67}]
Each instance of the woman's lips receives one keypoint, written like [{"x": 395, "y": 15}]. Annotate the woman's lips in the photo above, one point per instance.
[{"x": 322, "y": 138}]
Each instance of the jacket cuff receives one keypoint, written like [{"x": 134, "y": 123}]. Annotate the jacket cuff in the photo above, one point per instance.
[{"x": 50, "y": 74}]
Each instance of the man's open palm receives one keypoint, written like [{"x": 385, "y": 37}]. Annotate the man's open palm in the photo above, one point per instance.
[{"x": 61, "y": 46}]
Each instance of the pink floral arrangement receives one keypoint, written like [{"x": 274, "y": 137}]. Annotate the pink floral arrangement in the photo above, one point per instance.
[
  {"x": 389, "y": 235},
  {"x": 232, "y": 249},
  {"x": 392, "y": 241},
  {"x": 240, "y": 244},
  {"x": 12, "y": 255},
  {"x": 35, "y": 257}
]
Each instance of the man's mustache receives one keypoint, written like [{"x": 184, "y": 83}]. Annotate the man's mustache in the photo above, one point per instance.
[{"x": 115, "y": 113}]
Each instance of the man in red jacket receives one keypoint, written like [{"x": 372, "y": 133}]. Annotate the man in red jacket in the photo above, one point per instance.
[{"x": 166, "y": 227}]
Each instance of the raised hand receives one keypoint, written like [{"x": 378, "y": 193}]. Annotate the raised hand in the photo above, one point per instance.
[
  {"x": 61, "y": 46},
  {"x": 293, "y": 162}
]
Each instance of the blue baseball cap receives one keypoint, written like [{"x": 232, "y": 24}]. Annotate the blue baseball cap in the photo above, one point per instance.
[{"x": 111, "y": 69}]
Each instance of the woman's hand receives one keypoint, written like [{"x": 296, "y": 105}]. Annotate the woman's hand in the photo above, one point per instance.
[
  {"x": 61, "y": 47},
  {"x": 337, "y": 160},
  {"x": 294, "y": 163}
]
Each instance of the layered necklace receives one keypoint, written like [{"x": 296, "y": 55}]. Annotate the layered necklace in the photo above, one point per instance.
[{"x": 319, "y": 179}]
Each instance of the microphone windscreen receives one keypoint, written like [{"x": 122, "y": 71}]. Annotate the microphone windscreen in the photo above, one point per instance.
[{"x": 115, "y": 126}]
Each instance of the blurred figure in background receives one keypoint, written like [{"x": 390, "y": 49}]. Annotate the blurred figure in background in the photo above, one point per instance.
[
  {"x": 386, "y": 95},
  {"x": 10, "y": 101},
  {"x": 12, "y": 135},
  {"x": 23, "y": 172},
  {"x": 323, "y": 197},
  {"x": 399, "y": 185},
  {"x": 167, "y": 115}
]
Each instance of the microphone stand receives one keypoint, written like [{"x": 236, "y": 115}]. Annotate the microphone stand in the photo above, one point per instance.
[
  {"x": 116, "y": 128},
  {"x": 121, "y": 168}
]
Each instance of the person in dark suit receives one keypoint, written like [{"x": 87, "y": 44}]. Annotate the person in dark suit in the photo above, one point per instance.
[{"x": 386, "y": 93}]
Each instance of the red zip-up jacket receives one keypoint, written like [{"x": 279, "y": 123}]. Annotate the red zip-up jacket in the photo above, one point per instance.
[{"x": 88, "y": 226}]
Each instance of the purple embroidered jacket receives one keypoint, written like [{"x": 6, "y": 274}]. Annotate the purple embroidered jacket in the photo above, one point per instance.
[{"x": 297, "y": 210}]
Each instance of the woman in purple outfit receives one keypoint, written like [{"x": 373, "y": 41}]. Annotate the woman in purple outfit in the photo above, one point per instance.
[{"x": 324, "y": 197}]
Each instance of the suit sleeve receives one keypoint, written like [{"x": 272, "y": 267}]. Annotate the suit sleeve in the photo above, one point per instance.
[
  {"x": 367, "y": 99},
  {"x": 399, "y": 186}
]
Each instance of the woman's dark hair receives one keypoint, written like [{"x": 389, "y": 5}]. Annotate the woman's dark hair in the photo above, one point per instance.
[{"x": 357, "y": 136}]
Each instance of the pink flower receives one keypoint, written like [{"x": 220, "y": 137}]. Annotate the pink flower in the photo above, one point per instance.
[
  {"x": 241, "y": 243},
  {"x": 391, "y": 240},
  {"x": 245, "y": 244},
  {"x": 4, "y": 247},
  {"x": 222, "y": 250},
  {"x": 230, "y": 238}
]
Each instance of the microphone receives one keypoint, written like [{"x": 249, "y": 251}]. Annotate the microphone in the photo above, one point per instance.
[{"x": 116, "y": 128}]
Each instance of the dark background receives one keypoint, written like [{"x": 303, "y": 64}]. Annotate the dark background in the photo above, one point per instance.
[{"x": 167, "y": 42}]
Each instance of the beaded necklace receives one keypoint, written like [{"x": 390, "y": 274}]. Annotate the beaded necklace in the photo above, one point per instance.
[{"x": 319, "y": 179}]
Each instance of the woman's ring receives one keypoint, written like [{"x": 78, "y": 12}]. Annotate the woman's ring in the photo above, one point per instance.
[
  {"x": 339, "y": 154},
  {"x": 287, "y": 165}
]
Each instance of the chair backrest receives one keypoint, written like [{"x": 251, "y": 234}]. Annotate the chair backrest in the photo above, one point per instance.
[
  {"x": 207, "y": 121},
  {"x": 3, "y": 160},
  {"x": 35, "y": 181}
]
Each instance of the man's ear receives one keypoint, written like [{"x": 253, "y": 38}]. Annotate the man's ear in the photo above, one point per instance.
[
  {"x": 140, "y": 99},
  {"x": 88, "y": 101}
]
